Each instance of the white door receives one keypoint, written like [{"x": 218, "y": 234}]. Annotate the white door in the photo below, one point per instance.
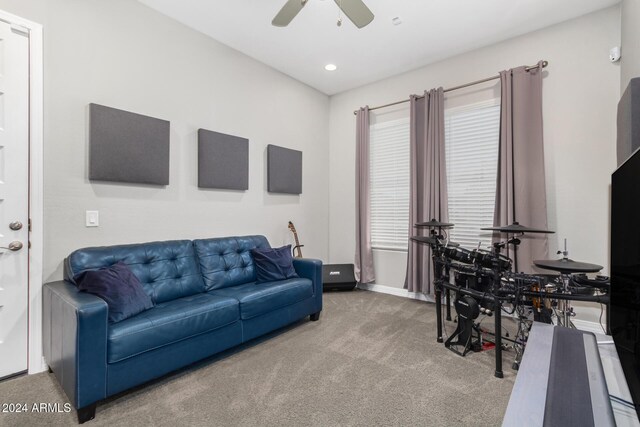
[{"x": 14, "y": 198}]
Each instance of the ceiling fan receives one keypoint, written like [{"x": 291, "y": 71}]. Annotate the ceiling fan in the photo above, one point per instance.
[{"x": 355, "y": 10}]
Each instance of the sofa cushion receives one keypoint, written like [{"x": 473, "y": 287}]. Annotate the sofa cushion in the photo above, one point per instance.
[
  {"x": 119, "y": 287},
  {"x": 227, "y": 261},
  {"x": 167, "y": 270},
  {"x": 256, "y": 299},
  {"x": 168, "y": 323},
  {"x": 273, "y": 264}
]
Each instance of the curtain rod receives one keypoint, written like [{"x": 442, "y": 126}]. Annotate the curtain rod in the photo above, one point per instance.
[{"x": 488, "y": 79}]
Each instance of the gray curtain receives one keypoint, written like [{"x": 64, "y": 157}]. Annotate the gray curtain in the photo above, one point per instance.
[
  {"x": 364, "y": 270},
  {"x": 520, "y": 193},
  {"x": 428, "y": 183}
]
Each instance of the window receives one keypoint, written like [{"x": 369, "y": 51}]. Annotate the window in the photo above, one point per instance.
[
  {"x": 471, "y": 146},
  {"x": 389, "y": 184},
  {"x": 472, "y": 136}
]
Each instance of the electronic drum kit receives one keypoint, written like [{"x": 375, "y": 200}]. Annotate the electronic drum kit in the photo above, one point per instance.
[{"x": 488, "y": 282}]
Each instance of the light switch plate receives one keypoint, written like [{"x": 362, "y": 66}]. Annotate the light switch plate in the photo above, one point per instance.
[{"x": 92, "y": 219}]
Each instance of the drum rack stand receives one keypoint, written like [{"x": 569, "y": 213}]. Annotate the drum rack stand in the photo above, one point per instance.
[{"x": 495, "y": 268}]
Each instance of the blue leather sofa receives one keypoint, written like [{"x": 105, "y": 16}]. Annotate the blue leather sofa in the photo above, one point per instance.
[{"x": 206, "y": 301}]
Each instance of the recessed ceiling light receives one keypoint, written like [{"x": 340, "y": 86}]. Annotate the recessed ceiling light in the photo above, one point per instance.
[
  {"x": 330, "y": 67},
  {"x": 396, "y": 20}
]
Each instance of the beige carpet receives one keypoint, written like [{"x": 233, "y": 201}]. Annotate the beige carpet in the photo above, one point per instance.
[{"x": 372, "y": 359}]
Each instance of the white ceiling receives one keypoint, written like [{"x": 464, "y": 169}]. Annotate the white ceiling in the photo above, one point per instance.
[{"x": 431, "y": 30}]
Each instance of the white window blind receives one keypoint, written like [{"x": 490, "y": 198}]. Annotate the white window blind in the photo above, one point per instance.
[
  {"x": 471, "y": 144},
  {"x": 389, "y": 184}
]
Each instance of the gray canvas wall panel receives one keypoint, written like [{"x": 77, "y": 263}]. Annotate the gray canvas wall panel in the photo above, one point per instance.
[
  {"x": 127, "y": 147},
  {"x": 284, "y": 170},
  {"x": 629, "y": 121},
  {"x": 223, "y": 161}
]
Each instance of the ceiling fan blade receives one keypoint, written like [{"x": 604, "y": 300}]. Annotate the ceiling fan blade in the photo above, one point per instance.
[
  {"x": 289, "y": 11},
  {"x": 356, "y": 11}
]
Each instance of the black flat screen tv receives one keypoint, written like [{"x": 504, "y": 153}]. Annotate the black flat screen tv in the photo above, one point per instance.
[{"x": 624, "y": 313}]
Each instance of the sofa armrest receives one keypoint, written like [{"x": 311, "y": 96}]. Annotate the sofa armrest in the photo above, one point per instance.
[
  {"x": 75, "y": 341},
  {"x": 311, "y": 269}
]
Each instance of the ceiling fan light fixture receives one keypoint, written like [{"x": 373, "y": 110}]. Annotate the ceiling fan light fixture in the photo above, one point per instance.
[{"x": 330, "y": 67}]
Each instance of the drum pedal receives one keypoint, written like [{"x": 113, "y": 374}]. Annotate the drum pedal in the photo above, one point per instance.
[{"x": 488, "y": 345}]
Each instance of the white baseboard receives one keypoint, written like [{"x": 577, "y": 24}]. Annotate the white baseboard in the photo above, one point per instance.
[
  {"x": 390, "y": 290},
  {"x": 583, "y": 325},
  {"x": 43, "y": 367}
]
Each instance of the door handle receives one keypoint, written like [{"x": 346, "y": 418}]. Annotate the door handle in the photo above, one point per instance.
[{"x": 13, "y": 246}]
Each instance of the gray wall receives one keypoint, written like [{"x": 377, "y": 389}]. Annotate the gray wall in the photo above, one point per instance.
[
  {"x": 122, "y": 54},
  {"x": 581, "y": 91},
  {"x": 630, "y": 60},
  {"x": 95, "y": 52}
]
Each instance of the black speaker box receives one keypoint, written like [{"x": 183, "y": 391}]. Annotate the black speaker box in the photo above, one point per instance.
[
  {"x": 629, "y": 121},
  {"x": 338, "y": 277}
]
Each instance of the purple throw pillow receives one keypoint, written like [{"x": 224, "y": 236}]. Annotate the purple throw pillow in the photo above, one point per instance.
[
  {"x": 273, "y": 264},
  {"x": 119, "y": 287}
]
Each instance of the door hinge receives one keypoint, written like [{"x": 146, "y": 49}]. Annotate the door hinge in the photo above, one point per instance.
[{"x": 29, "y": 225}]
